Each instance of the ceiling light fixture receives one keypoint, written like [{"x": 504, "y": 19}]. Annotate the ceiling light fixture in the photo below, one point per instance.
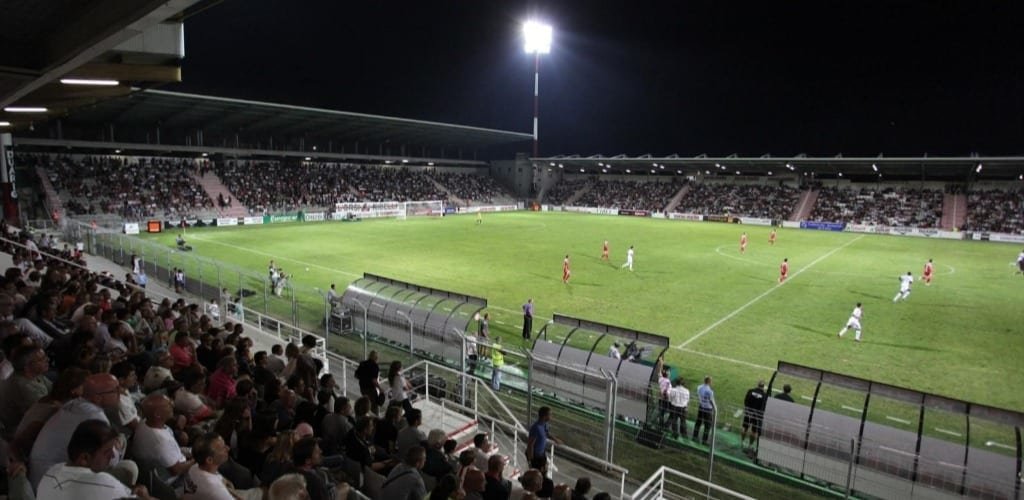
[
  {"x": 25, "y": 109},
  {"x": 5, "y": 124},
  {"x": 89, "y": 81}
]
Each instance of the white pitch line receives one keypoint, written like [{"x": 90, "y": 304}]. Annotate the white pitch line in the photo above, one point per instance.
[
  {"x": 895, "y": 419},
  {"x": 765, "y": 294},
  {"x": 730, "y": 360},
  {"x": 809, "y": 398},
  {"x": 947, "y": 431},
  {"x": 856, "y": 410},
  {"x": 275, "y": 257}
]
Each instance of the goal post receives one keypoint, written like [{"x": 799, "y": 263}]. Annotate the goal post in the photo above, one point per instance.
[{"x": 431, "y": 208}]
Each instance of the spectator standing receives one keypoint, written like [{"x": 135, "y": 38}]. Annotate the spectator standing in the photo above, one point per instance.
[
  {"x": 368, "y": 375},
  {"x": 678, "y": 399},
  {"x": 753, "y": 413},
  {"x": 537, "y": 441},
  {"x": 399, "y": 386},
  {"x": 705, "y": 411},
  {"x": 497, "y": 361},
  {"x": 528, "y": 319}
]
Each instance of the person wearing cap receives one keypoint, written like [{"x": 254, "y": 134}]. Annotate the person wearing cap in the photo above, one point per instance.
[{"x": 753, "y": 413}]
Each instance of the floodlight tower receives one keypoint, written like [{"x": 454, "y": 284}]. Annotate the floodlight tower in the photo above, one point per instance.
[{"x": 536, "y": 41}]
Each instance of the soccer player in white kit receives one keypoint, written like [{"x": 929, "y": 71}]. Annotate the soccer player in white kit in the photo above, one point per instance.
[
  {"x": 853, "y": 323},
  {"x": 629, "y": 258},
  {"x": 905, "y": 282}
]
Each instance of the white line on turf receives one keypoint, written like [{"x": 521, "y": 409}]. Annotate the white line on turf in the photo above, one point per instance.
[
  {"x": 730, "y": 360},
  {"x": 895, "y": 419},
  {"x": 325, "y": 268},
  {"x": 753, "y": 301},
  {"x": 855, "y": 410},
  {"x": 809, "y": 398},
  {"x": 947, "y": 431},
  {"x": 275, "y": 257}
]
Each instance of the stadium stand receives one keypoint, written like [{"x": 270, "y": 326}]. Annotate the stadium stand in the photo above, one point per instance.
[
  {"x": 267, "y": 186},
  {"x": 890, "y": 206},
  {"x": 749, "y": 200},
  {"x": 173, "y": 381},
  {"x": 561, "y": 193},
  {"x": 128, "y": 187},
  {"x": 630, "y": 195},
  {"x": 472, "y": 188},
  {"x": 996, "y": 210}
]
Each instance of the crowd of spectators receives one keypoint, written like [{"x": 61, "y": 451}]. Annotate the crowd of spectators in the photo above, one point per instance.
[
  {"x": 630, "y": 195},
  {"x": 271, "y": 186},
  {"x": 767, "y": 201},
  {"x": 111, "y": 394},
  {"x": 128, "y": 187},
  {"x": 471, "y": 188},
  {"x": 561, "y": 192},
  {"x": 996, "y": 210},
  {"x": 890, "y": 206}
]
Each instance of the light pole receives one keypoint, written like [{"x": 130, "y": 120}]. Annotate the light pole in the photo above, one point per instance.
[{"x": 536, "y": 41}]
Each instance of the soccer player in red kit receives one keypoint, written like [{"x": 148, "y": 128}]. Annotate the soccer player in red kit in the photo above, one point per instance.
[
  {"x": 743, "y": 242},
  {"x": 604, "y": 251},
  {"x": 565, "y": 269},
  {"x": 926, "y": 276},
  {"x": 771, "y": 237},
  {"x": 783, "y": 270}
]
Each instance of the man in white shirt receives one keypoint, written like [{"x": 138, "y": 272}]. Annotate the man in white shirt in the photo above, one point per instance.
[
  {"x": 853, "y": 322},
  {"x": 154, "y": 442},
  {"x": 678, "y": 400},
  {"x": 90, "y": 450},
  {"x": 629, "y": 258},
  {"x": 905, "y": 282},
  {"x": 100, "y": 391},
  {"x": 203, "y": 482},
  {"x": 614, "y": 352}
]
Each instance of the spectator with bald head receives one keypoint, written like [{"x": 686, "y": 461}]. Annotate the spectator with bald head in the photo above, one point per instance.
[
  {"x": 498, "y": 488},
  {"x": 99, "y": 392},
  {"x": 288, "y": 487},
  {"x": 154, "y": 441},
  {"x": 203, "y": 482}
]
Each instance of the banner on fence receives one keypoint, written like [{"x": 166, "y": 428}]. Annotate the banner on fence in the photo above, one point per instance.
[
  {"x": 252, "y": 220},
  {"x": 635, "y": 213},
  {"x": 904, "y": 231},
  {"x": 822, "y": 226},
  {"x": 315, "y": 216},
  {"x": 272, "y": 219},
  {"x": 719, "y": 218},
  {"x": 999, "y": 237},
  {"x": 227, "y": 221},
  {"x": 679, "y": 216},
  {"x": 488, "y": 208},
  {"x": 756, "y": 221},
  {"x": 131, "y": 228}
]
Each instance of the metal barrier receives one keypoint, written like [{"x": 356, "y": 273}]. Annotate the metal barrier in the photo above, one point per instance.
[{"x": 670, "y": 483}]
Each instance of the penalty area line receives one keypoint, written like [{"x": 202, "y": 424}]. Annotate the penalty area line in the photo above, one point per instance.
[
  {"x": 729, "y": 360},
  {"x": 276, "y": 257},
  {"x": 753, "y": 301}
]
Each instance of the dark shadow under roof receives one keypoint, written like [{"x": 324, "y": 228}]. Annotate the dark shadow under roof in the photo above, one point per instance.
[{"x": 174, "y": 110}]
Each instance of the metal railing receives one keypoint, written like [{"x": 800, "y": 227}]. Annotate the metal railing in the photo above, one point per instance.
[{"x": 670, "y": 483}]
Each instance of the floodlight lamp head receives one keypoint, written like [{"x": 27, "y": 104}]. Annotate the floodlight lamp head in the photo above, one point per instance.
[{"x": 536, "y": 37}]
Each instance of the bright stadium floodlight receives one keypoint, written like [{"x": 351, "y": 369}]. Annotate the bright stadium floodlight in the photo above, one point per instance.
[
  {"x": 536, "y": 40},
  {"x": 89, "y": 81}
]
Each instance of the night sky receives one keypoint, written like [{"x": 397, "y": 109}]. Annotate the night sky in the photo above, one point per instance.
[{"x": 777, "y": 77}]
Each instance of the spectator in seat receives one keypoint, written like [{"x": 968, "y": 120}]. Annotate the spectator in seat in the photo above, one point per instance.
[
  {"x": 158, "y": 373},
  {"x": 27, "y": 385},
  {"x": 497, "y": 488},
  {"x": 154, "y": 442},
  {"x": 222, "y": 382},
  {"x": 203, "y": 482},
  {"x": 90, "y": 449},
  {"x": 404, "y": 482}
]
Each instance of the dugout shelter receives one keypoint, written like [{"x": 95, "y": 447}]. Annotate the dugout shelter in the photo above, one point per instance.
[
  {"x": 882, "y": 441},
  {"x": 570, "y": 360},
  {"x": 414, "y": 317}
]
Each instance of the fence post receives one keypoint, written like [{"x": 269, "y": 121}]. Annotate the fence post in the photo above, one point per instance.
[
  {"x": 714, "y": 436},
  {"x": 849, "y": 468},
  {"x": 529, "y": 385},
  {"x": 426, "y": 382},
  {"x": 610, "y": 411}
]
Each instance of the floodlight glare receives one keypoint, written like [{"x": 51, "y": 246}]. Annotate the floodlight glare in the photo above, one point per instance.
[
  {"x": 536, "y": 37},
  {"x": 89, "y": 81},
  {"x": 5, "y": 124},
  {"x": 24, "y": 109}
]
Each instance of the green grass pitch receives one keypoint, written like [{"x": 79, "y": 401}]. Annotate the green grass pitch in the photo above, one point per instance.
[{"x": 724, "y": 311}]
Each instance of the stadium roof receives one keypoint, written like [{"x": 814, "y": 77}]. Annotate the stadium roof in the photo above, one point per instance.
[
  {"x": 225, "y": 116},
  {"x": 127, "y": 42},
  {"x": 958, "y": 168}
]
